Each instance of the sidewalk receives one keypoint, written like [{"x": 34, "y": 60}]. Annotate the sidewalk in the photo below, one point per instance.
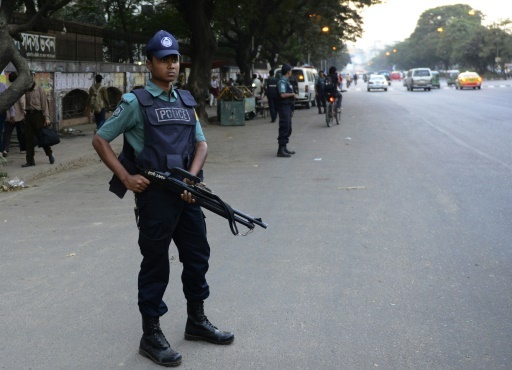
[{"x": 74, "y": 151}]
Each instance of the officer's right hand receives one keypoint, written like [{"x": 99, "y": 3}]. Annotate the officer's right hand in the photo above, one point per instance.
[{"x": 136, "y": 183}]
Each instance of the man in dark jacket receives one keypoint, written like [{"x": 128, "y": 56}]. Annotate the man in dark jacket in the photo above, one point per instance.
[
  {"x": 320, "y": 92},
  {"x": 271, "y": 93}
]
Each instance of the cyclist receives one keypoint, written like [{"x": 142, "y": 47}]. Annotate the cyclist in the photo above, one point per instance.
[{"x": 333, "y": 86}]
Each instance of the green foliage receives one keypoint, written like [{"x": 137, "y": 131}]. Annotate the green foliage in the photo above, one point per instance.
[
  {"x": 289, "y": 31},
  {"x": 85, "y": 11},
  {"x": 451, "y": 36}
]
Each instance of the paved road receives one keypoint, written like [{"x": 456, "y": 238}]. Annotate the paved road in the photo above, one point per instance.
[{"x": 388, "y": 247}]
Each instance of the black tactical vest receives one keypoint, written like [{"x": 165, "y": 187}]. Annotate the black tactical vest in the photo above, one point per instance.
[
  {"x": 169, "y": 137},
  {"x": 271, "y": 87},
  {"x": 169, "y": 131}
]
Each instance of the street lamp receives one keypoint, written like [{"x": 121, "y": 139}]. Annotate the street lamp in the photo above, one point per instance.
[
  {"x": 325, "y": 29},
  {"x": 440, "y": 29}
]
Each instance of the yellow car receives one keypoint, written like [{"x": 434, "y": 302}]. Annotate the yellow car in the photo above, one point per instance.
[{"x": 468, "y": 79}]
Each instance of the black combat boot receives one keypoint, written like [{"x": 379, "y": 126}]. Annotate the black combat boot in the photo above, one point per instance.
[
  {"x": 281, "y": 152},
  {"x": 154, "y": 346},
  {"x": 288, "y": 151},
  {"x": 199, "y": 328}
]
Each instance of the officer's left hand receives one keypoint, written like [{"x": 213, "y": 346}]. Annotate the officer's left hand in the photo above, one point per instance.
[{"x": 187, "y": 197}]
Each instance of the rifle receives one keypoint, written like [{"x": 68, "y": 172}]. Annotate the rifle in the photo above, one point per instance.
[{"x": 203, "y": 197}]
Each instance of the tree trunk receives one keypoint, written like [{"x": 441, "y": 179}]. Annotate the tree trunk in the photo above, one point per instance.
[
  {"x": 198, "y": 15},
  {"x": 8, "y": 53},
  {"x": 243, "y": 58}
]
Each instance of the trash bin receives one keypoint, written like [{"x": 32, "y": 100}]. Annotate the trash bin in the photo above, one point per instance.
[
  {"x": 232, "y": 113},
  {"x": 236, "y": 104}
]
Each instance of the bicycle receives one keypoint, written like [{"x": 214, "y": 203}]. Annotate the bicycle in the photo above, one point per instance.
[{"x": 331, "y": 112}]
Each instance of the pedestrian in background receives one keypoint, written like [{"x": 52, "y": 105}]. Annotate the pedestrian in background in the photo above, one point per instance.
[
  {"x": 98, "y": 101},
  {"x": 3, "y": 117},
  {"x": 256, "y": 85},
  {"x": 285, "y": 108},
  {"x": 320, "y": 92},
  {"x": 15, "y": 121},
  {"x": 214, "y": 91},
  {"x": 240, "y": 79},
  {"x": 348, "y": 80},
  {"x": 270, "y": 90},
  {"x": 37, "y": 115},
  {"x": 161, "y": 131}
]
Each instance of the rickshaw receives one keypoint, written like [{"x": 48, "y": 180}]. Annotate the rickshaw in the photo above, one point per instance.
[
  {"x": 435, "y": 79},
  {"x": 451, "y": 76}
]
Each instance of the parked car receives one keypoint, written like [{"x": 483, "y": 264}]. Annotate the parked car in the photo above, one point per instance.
[
  {"x": 435, "y": 79},
  {"x": 377, "y": 82},
  {"x": 306, "y": 78},
  {"x": 451, "y": 76},
  {"x": 419, "y": 78},
  {"x": 468, "y": 79}
]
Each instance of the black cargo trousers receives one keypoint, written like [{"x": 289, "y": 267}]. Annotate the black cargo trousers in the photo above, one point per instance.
[{"x": 163, "y": 217}]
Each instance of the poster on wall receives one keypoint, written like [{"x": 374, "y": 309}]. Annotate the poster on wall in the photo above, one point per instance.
[
  {"x": 57, "y": 76},
  {"x": 134, "y": 79},
  {"x": 69, "y": 81},
  {"x": 82, "y": 81},
  {"x": 119, "y": 80},
  {"x": 44, "y": 79}
]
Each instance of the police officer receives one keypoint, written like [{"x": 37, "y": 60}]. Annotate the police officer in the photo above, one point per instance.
[
  {"x": 271, "y": 93},
  {"x": 161, "y": 131},
  {"x": 285, "y": 108}
]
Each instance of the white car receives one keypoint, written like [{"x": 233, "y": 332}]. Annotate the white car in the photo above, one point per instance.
[{"x": 377, "y": 82}]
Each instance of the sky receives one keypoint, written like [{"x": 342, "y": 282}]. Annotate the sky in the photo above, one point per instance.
[{"x": 395, "y": 20}]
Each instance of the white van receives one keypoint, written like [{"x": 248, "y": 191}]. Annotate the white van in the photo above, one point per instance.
[{"x": 306, "y": 78}]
